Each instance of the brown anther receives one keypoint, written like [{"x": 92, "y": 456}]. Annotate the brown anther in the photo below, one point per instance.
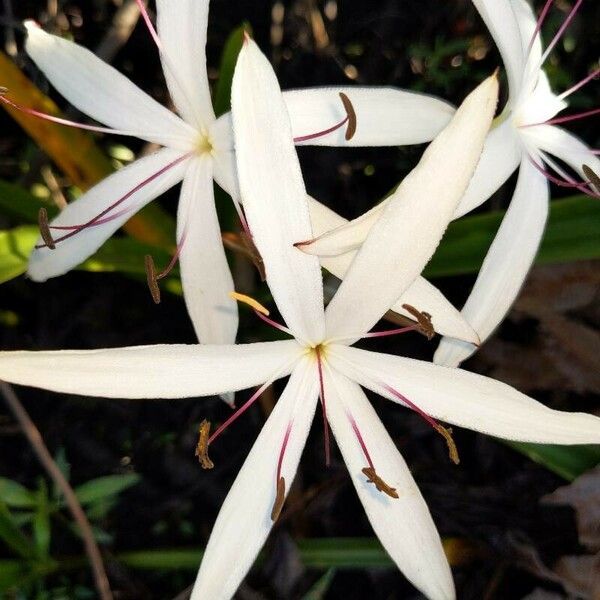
[
  {"x": 351, "y": 114},
  {"x": 380, "y": 484},
  {"x": 254, "y": 255},
  {"x": 423, "y": 319},
  {"x": 45, "y": 229},
  {"x": 151, "y": 278},
  {"x": 592, "y": 176},
  {"x": 202, "y": 446},
  {"x": 279, "y": 500},
  {"x": 452, "y": 449}
]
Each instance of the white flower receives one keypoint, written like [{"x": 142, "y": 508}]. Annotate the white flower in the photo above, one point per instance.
[
  {"x": 196, "y": 148},
  {"x": 319, "y": 358},
  {"x": 523, "y": 136}
]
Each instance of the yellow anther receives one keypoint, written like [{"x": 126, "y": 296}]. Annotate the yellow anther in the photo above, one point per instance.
[
  {"x": 380, "y": 484},
  {"x": 452, "y": 449},
  {"x": 255, "y": 304},
  {"x": 202, "y": 447}
]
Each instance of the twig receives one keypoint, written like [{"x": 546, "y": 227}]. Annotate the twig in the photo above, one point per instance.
[{"x": 37, "y": 443}]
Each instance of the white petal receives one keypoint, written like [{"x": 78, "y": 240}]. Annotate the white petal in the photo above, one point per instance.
[
  {"x": 181, "y": 26},
  {"x": 384, "y": 116},
  {"x": 500, "y": 18},
  {"x": 420, "y": 294},
  {"x": 506, "y": 265},
  {"x": 527, "y": 21},
  {"x": 273, "y": 193},
  {"x": 205, "y": 274},
  {"x": 565, "y": 146},
  {"x": 408, "y": 232},
  {"x": 164, "y": 371},
  {"x": 101, "y": 92},
  {"x": 45, "y": 263},
  {"x": 404, "y": 524},
  {"x": 466, "y": 399},
  {"x": 502, "y": 153},
  {"x": 244, "y": 521}
]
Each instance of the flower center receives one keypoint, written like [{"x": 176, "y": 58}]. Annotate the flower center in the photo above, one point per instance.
[{"x": 204, "y": 144}]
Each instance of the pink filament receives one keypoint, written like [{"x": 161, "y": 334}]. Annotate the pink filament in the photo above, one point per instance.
[
  {"x": 175, "y": 257},
  {"x": 271, "y": 322},
  {"x": 318, "y": 134},
  {"x": 324, "y": 409},
  {"x": 128, "y": 195},
  {"x": 431, "y": 421},
  {"x": 284, "y": 444},
  {"x": 53, "y": 119},
  {"x": 571, "y": 183},
  {"x": 239, "y": 412},
  {"x": 375, "y": 334},
  {"x": 561, "y": 30},
  {"x": 148, "y": 22},
  {"x": 359, "y": 437},
  {"x": 579, "y": 85},
  {"x": 539, "y": 23},
  {"x": 575, "y": 117}
]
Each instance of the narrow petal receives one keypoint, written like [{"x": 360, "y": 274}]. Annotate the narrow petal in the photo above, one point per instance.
[
  {"x": 466, "y": 399},
  {"x": 273, "y": 193},
  {"x": 420, "y": 294},
  {"x": 404, "y": 524},
  {"x": 45, "y": 263},
  {"x": 506, "y": 265},
  {"x": 385, "y": 116},
  {"x": 182, "y": 28},
  {"x": 164, "y": 371},
  {"x": 101, "y": 92},
  {"x": 564, "y": 145},
  {"x": 502, "y": 153},
  {"x": 500, "y": 18},
  {"x": 527, "y": 22},
  {"x": 413, "y": 223},
  {"x": 205, "y": 274},
  {"x": 244, "y": 521}
]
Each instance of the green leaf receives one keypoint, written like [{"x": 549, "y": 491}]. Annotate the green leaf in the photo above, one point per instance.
[
  {"x": 16, "y": 495},
  {"x": 18, "y": 203},
  {"x": 104, "y": 487},
  {"x": 11, "y": 573},
  {"x": 321, "y": 587},
  {"x": 567, "y": 461},
  {"x": 15, "y": 247},
  {"x": 41, "y": 522},
  {"x": 233, "y": 45},
  {"x": 13, "y": 537},
  {"x": 573, "y": 233}
]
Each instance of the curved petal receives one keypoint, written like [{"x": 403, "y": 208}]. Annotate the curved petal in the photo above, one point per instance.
[
  {"x": 244, "y": 521},
  {"x": 413, "y": 223},
  {"x": 385, "y": 116},
  {"x": 506, "y": 265},
  {"x": 404, "y": 524},
  {"x": 101, "y": 92},
  {"x": 45, "y": 263},
  {"x": 565, "y": 146},
  {"x": 502, "y": 153},
  {"x": 163, "y": 371},
  {"x": 420, "y": 294},
  {"x": 205, "y": 274},
  {"x": 466, "y": 399},
  {"x": 181, "y": 26},
  {"x": 500, "y": 18},
  {"x": 527, "y": 22},
  {"x": 273, "y": 193}
]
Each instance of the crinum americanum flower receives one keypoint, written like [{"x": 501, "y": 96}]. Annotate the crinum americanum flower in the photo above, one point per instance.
[
  {"x": 196, "y": 148},
  {"x": 524, "y": 136},
  {"x": 319, "y": 357}
]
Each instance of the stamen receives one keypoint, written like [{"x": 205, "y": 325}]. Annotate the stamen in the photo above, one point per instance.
[
  {"x": 387, "y": 332},
  {"x": 559, "y": 33},
  {"x": 254, "y": 255},
  {"x": 58, "y": 120},
  {"x": 380, "y": 484},
  {"x": 96, "y": 220},
  {"x": 45, "y": 229},
  {"x": 592, "y": 176},
  {"x": 350, "y": 119},
  {"x": 538, "y": 25},
  {"x": 570, "y": 183},
  {"x": 566, "y": 119},
  {"x": 324, "y": 408},
  {"x": 579, "y": 85},
  {"x": 255, "y": 304},
  {"x": 148, "y": 22},
  {"x": 153, "y": 278},
  {"x": 445, "y": 432},
  {"x": 423, "y": 319},
  {"x": 279, "y": 499},
  {"x": 202, "y": 447}
]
